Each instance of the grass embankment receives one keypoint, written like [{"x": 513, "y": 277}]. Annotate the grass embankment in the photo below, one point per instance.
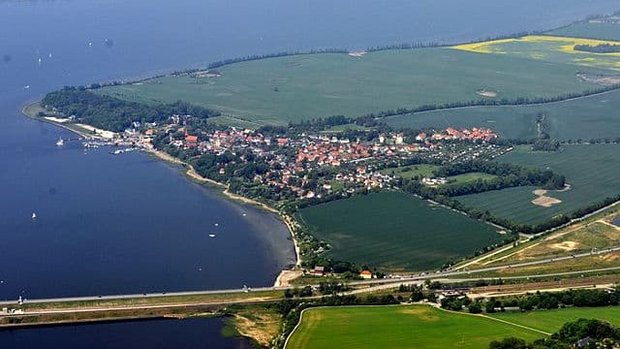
[
  {"x": 387, "y": 327},
  {"x": 396, "y": 231},
  {"x": 303, "y": 87},
  {"x": 156, "y": 301},
  {"x": 591, "y": 171}
]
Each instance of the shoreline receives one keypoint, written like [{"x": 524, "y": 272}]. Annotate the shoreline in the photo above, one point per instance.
[{"x": 285, "y": 275}]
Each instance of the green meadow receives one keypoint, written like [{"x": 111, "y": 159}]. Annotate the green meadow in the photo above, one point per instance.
[
  {"x": 303, "y": 87},
  {"x": 396, "y": 231},
  {"x": 387, "y": 327},
  {"x": 552, "y": 320}
]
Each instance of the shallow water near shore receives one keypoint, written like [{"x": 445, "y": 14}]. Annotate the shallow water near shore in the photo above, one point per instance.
[{"x": 129, "y": 223}]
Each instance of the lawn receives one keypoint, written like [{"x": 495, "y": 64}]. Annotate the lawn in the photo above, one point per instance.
[
  {"x": 408, "y": 172},
  {"x": 552, "y": 320},
  {"x": 396, "y": 231},
  {"x": 470, "y": 177},
  {"x": 584, "y": 118},
  {"x": 591, "y": 170},
  {"x": 303, "y": 87},
  {"x": 386, "y": 327}
]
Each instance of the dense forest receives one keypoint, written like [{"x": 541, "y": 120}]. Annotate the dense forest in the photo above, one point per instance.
[{"x": 115, "y": 114}]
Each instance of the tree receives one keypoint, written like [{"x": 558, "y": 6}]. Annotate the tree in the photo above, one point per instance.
[
  {"x": 509, "y": 343},
  {"x": 475, "y": 308}
]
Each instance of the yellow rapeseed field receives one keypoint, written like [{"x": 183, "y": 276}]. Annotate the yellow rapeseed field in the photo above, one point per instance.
[
  {"x": 547, "y": 47},
  {"x": 566, "y": 44}
]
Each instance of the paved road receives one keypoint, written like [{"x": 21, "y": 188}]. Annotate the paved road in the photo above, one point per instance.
[{"x": 392, "y": 281}]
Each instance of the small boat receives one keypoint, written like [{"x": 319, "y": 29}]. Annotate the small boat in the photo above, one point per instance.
[
  {"x": 217, "y": 224},
  {"x": 26, "y": 87},
  {"x": 34, "y": 216},
  {"x": 211, "y": 235},
  {"x": 244, "y": 214},
  {"x": 60, "y": 142}
]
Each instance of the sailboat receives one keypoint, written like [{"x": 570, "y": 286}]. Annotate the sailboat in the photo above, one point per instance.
[
  {"x": 60, "y": 142},
  {"x": 34, "y": 216}
]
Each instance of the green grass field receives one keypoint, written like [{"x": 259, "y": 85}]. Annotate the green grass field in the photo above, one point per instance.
[
  {"x": 591, "y": 170},
  {"x": 590, "y": 29},
  {"x": 408, "y": 172},
  {"x": 469, "y": 177},
  {"x": 303, "y": 87},
  {"x": 552, "y": 320},
  {"x": 396, "y": 231},
  {"x": 389, "y": 327},
  {"x": 585, "y": 118}
]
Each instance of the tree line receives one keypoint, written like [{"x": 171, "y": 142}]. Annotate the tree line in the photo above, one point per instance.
[
  {"x": 115, "y": 114},
  {"x": 600, "y": 48},
  {"x": 582, "y": 333}
]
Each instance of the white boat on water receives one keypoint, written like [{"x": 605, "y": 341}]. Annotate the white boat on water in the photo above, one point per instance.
[
  {"x": 60, "y": 142},
  {"x": 211, "y": 235},
  {"x": 34, "y": 215}
]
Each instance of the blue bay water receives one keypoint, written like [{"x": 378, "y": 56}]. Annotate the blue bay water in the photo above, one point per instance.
[
  {"x": 153, "y": 334},
  {"x": 130, "y": 224}
]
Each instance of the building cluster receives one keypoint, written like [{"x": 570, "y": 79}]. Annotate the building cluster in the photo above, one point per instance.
[
  {"x": 291, "y": 161},
  {"x": 474, "y": 134}
]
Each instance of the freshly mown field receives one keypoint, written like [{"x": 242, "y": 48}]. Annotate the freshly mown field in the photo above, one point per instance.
[
  {"x": 303, "y": 87},
  {"x": 583, "y": 118},
  {"x": 408, "y": 172},
  {"x": 592, "y": 171},
  {"x": 396, "y": 231},
  {"x": 590, "y": 29},
  {"x": 552, "y": 320},
  {"x": 556, "y": 49},
  {"x": 470, "y": 177},
  {"x": 389, "y": 327}
]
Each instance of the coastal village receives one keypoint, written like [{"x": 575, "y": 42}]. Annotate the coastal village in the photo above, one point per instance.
[{"x": 290, "y": 162}]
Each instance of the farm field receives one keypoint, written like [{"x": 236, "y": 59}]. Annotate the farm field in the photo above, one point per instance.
[
  {"x": 582, "y": 264},
  {"x": 584, "y": 118},
  {"x": 304, "y": 87},
  {"x": 590, "y": 29},
  {"x": 552, "y": 320},
  {"x": 576, "y": 162},
  {"x": 580, "y": 239},
  {"x": 388, "y": 327},
  {"x": 548, "y": 48},
  {"x": 396, "y": 231}
]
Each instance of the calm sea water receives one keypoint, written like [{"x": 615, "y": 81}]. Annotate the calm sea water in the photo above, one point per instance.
[
  {"x": 154, "y": 334},
  {"x": 125, "y": 224}
]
